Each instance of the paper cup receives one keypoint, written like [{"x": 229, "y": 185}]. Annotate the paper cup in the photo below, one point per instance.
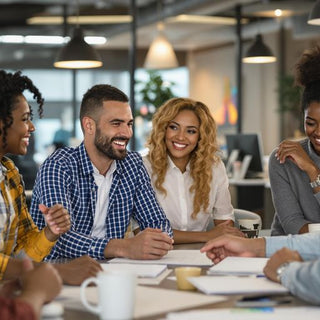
[
  {"x": 314, "y": 227},
  {"x": 250, "y": 227}
]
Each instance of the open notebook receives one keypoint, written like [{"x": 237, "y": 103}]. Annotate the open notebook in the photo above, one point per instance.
[{"x": 239, "y": 266}]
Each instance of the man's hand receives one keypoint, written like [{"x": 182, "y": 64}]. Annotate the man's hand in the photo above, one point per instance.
[
  {"x": 57, "y": 219},
  {"x": 277, "y": 259},
  {"x": 77, "y": 270},
  {"x": 150, "y": 244},
  {"x": 228, "y": 245}
]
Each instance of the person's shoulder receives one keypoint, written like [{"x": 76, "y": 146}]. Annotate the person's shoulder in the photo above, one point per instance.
[
  {"x": 63, "y": 157},
  {"x": 8, "y": 163},
  {"x": 133, "y": 156},
  {"x": 133, "y": 161}
]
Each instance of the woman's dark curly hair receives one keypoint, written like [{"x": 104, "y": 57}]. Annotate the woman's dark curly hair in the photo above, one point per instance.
[
  {"x": 13, "y": 85},
  {"x": 307, "y": 75}
]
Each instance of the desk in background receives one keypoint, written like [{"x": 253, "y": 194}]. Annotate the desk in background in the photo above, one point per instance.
[{"x": 253, "y": 195}]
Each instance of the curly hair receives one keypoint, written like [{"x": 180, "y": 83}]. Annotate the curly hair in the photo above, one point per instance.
[
  {"x": 307, "y": 75},
  {"x": 203, "y": 157},
  {"x": 13, "y": 85}
]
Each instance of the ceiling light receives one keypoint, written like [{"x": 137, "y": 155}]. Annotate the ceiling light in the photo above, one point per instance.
[
  {"x": 278, "y": 12},
  {"x": 98, "y": 19},
  {"x": 314, "y": 16},
  {"x": 187, "y": 18},
  {"x": 78, "y": 54},
  {"x": 12, "y": 39},
  {"x": 44, "y": 39},
  {"x": 161, "y": 54},
  {"x": 258, "y": 52}
]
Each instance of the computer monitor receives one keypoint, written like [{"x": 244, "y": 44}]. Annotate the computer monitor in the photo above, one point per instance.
[{"x": 247, "y": 144}]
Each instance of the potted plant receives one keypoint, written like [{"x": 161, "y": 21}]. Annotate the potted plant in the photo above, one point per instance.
[{"x": 154, "y": 92}]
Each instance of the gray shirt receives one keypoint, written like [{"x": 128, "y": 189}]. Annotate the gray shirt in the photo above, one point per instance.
[
  {"x": 293, "y": 198},
  {"x": 301, "y": 278}
]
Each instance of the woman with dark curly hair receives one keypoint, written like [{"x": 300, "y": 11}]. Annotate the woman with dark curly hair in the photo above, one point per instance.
[
  {"x": 188, "y": 176},
  {"x": 17, "y": 229},
  {"x": 294, "y": 166}
]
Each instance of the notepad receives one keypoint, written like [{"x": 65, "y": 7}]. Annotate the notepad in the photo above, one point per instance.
[
  {"x": 239, "y": 266},
  {"x": 229, "y": 285},
  {"x": 174, "y": 257},
  {"x": 141, "y": 270}
]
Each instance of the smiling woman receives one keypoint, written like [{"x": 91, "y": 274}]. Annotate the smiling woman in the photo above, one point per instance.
[
  {"x": 186, "y": 172},
  {"x": 294, "y": 166}
]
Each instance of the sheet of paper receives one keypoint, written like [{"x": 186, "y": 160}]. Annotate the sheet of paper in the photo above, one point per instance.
[
  {"x": 149, "y": 301},
  {"x": 239, "y": 266},
  {"x": 141, "y": 270},
  {"x": 228, "y": 285},
  {"x": 294, "y": 313},
  {"x": 174, "y": 257}
]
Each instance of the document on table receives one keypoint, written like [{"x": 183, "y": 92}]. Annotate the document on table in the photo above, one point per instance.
[
  {"x": 239, "y": 266},
  {"x": 174, "y": 257},
  {"x": 149, "y": 301},
  {"x": 228, "y": 285},
  {"x": 141, "y": 270},
  {"x": 294, "y": 313}
]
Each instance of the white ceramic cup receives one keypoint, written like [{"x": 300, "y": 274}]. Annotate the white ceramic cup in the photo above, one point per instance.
[
  {"x": 251, "y": 227},
  {"x": 314, "y": 227},
  {"x": 116, "y": 295}
]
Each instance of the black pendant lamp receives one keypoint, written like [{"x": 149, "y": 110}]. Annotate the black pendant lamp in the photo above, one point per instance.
[
  {"x": 78, "y": 54},
  {"x": 259, "y": 52},
  {"x": 314, "y": 16}
]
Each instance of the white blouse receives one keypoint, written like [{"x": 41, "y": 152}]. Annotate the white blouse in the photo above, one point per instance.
[{"x": 178, "y": 203}]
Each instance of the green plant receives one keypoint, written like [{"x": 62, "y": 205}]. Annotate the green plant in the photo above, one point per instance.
[
  {"x": 154, "y": 92},
  {"x": 290, "y": 94},
  {"x": 289, "y": 97}
]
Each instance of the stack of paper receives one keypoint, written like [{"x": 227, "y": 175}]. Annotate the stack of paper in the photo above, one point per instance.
[
  {"x": 141, "y": 270},
  {"x": 294, "y": 313},
  {"x": 174, "y": 257},
  {"x": 239, "y": 266},
  {"x": 228, "y": 285}
]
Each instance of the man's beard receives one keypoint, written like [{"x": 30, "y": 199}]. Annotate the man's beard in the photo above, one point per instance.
[{"x": 104, "y": 145}]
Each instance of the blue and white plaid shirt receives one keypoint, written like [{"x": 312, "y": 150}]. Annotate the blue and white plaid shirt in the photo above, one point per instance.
[{"x": 66, "y": 177}]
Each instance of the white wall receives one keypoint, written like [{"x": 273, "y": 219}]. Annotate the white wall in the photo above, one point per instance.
[{"x": 259, "y": 94}]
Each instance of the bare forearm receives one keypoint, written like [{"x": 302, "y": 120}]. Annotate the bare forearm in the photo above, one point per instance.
[
  {"x": 189, "y": 236},
  {"x": 259, "y": 247},
  {"x": 116, "y": 248}
]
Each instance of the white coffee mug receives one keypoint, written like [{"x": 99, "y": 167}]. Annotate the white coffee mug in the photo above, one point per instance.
[
  {"x": 314, "y": 227},
  {"x": 116, "y": 295},
  {"x": 250, "y": 226}
]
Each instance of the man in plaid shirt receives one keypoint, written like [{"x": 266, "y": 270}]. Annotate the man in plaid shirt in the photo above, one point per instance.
[{"x": 103, "y": 186}]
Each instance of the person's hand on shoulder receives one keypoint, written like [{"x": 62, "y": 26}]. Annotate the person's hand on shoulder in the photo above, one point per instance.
[
  {"x": 77, "y": 270},
  {"x": 229, "y": 245},
  {"x": 277, "y": 259},
  {"x": 57, "y": 220}
]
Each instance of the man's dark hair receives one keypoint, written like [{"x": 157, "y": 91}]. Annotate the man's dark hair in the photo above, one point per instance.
[
  {"x": 13, "y": 85},
  {"x": 93, "y": 99}
]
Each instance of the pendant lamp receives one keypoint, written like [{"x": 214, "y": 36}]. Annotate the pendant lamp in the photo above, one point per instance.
[
  {"x": 314, "y": 16},
  {"x": 161, "y": 54},
  {"x": 259, "y": 52},
  {"x": 78, "y": 54}
]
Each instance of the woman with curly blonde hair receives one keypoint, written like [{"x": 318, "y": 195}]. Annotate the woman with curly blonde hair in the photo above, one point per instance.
[{"x": 187, "y": 174}]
